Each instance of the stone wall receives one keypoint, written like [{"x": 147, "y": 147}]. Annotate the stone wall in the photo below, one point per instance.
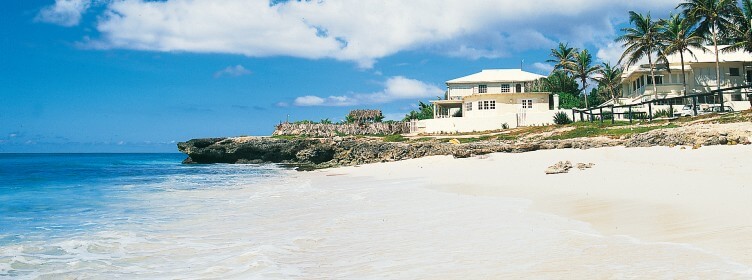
[{"x": 329, "y": 130}]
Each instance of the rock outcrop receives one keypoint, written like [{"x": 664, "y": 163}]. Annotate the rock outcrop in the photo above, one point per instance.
[
  {"x": 343, "y": 151},
  {"x": 331, "y": 130}
]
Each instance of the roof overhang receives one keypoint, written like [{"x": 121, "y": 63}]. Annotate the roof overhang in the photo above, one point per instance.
[{"x": 447, "y": 102}]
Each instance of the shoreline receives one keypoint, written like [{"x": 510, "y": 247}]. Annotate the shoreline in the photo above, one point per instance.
[
  {"x": 673, "y": 195},
  {"x": 319, "y": 153}
]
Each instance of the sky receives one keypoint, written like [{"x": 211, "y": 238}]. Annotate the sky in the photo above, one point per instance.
[{"x": 140, "y": 76}]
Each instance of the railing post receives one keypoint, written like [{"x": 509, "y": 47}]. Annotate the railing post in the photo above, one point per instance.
[
  {"x": 694, "y": 105},
  {"x": 720, "y": 99},
  {"x": 650, "y": 111},
  {"x": 671, "y": 110},
  {"x": 630, "y": 113},
  {"x": 601, "y": 113}
]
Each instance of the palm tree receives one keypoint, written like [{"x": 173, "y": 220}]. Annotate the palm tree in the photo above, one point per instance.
[
  {"x": 677, "y": 36},
  {"x": 562, "y": 56},
  {"x": 609, "y": 79},
  {"x": 582, "y": 67},
  {"x": 741, "y": 31},
  {"x": 713, "y": 17},
  {"x": 639, "y": 41}
]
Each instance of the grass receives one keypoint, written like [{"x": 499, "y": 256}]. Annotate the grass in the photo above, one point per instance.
[
  {"x": 586, "y": 129},
  {"x": 394, "y": 138}
]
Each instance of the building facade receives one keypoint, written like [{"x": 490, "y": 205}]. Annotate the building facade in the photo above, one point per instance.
[
  {"x": 700, "y": 75},
  {"x": 490, "y": 100}
]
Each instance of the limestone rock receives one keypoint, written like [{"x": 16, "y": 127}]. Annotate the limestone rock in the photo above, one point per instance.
[
  {"x": 583, "y": 166},
  {"x": 559, "y": 167}
]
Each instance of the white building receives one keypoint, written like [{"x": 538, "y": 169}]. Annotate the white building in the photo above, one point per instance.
[
  {"x": 736, "y": 70},
  {"x": 490, "y": 100}
]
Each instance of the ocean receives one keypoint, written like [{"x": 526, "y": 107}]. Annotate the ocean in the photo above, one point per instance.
[
  {"x": 86, "y": 214},
  {"x": 147, "y": 216}
]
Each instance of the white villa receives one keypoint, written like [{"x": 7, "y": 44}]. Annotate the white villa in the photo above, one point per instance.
[
  {"x": 490, "y": 100},
  {"x": 736, "y": 70}
]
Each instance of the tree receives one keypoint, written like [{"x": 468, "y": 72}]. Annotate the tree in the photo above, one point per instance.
[
  {"x": 559, "y": 82},
  {"x": 713, "y": 17},
  {"x": 562, "y": 84},
  {"x": 740, "y": 32},
  {"x": 640, "y": 40},
  {"x": 562, "y": 56},
  {"x": 582, "y": 68},
  {"x": 609, "y": 80},
  {"x": 677, "y": 36},
  {"x": 569, "y": 100},
  {"x": 424, "y": 111}
]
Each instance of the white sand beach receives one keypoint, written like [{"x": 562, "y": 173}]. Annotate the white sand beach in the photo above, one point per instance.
[{"x": 638, "y": 212}]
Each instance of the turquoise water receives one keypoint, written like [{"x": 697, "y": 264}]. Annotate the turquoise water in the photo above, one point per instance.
[{"x": 46, "y": 198}]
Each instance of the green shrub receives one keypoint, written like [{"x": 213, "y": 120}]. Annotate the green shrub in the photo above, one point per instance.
[
  {"x": 562, "y": 118},
  {"x": 504, "y": 126},
  {"x": 607, "y": 115},
  {"x": 663, "y": 113}
]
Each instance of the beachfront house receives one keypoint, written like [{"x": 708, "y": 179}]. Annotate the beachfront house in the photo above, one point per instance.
[
  {"x": 736, "y": 70},
  {"x": 490, "y": 100}
]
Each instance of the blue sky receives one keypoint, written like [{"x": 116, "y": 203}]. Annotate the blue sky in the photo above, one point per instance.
[{"x": 138, "y": 76}]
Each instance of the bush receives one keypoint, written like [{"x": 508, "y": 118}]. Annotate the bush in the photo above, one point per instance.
[
  {"x": 562, "y": 118},
  {"x": 504, "y": 126},
  {"x": 662, "y": 114},
  {"x": 607, "y": 115},
  {"x": 637, "y": 115}
]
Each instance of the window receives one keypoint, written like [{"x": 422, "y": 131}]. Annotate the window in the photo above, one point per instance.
[
  {"x": 469, "y": 106},
  {"x": 518, "y": 88},
  {"x": 658, "y": 80},
  {"x": 487, "y": 105},
  {"x": 527, "y": 103},
  {"x": 482, "y": 88},
  {"x": 734, "y": 72},
  {"x": 677, "y": 78},
  {"x": 505, "y": 88}
]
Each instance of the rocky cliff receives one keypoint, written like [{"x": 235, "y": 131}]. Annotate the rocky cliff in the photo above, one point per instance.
[{"x": 339, "y": 151}]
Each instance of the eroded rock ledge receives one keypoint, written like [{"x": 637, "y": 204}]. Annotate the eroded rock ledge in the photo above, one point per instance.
[{"x": 344, "y": 151}]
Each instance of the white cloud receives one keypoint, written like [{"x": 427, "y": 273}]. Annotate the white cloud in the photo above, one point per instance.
[
  {"x": 361, "y": 31},
  {"x": 64, "y": 12},
  {"x": 395, "y": 88},
  {"x": 543, "y": 68},
  {"x": 308, "y": 100},
  {"x": 610, "y": 52},
  {"x": 232, "y": 71},
  {"x": 311, "y": 100}
]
